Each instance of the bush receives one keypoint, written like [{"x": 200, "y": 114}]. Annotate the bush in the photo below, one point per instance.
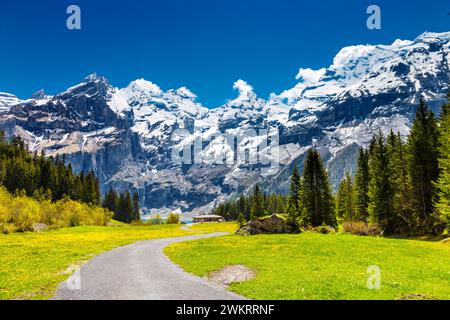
[
  {"x": 325, "y": 229},
  {"x": 20, "y": 214},
  {"x": 173, "y": 218},
  {"x": 361, "y": 228}
]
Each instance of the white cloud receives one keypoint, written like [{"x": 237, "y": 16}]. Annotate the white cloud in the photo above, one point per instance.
[
  {"x": 243, "y": 87},
  {"x": 308, "y": 75}
]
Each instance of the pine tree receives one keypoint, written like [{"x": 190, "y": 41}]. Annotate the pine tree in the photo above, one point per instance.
[
  {"x": 124, "y": 208},
  {"x": 402, "y": 220},
  {"x": 258, "y": 204},
  {"x": 136, "y": 208},
  {"x": 443, "y": 183},
  {"x": 362, "y": 179},
  {"x": 345, "y": 201},
  {"x": 111, "y": 201},
  {"x": 423, "y": 166},
  {"x": 293, "y": 207},
  {"x": 381, "y": 211},
  {"x": 316, "y": 198},
  {"x": 241, "y": 220}
]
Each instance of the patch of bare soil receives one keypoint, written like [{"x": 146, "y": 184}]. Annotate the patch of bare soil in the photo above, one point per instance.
[
  {"x": 230, "y": 274},
  {"x": 416, "y": 296}
]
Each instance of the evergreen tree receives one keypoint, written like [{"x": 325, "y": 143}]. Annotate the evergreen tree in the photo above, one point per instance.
[
  {"x": 293, "y": 207},
  {"x": 362, "y": 179},
  {"x": 258, "y": 204},
  {"x": 136, "y": 208},
  {"x": 345, "y": 201},
  {"x": 423, "y": 166},
  {"x": 381, "y": 211},
  {"x": 241, "y": 220},
  {"x": 125, "y": 208},
  {"x": 443, "y": 183},
  {"x": 316, "y": 198},
  {"x": 111, "y": 201},
  {"x": 402, "y": 220}
]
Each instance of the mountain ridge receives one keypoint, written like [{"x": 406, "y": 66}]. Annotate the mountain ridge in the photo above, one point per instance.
[{"x": 126, "y": 135}]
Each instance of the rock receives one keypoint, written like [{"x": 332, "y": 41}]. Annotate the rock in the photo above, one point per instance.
[
  {"x": 39, "y": 227},
  {"x": 247, "y": 230},
  {"x": 275, "y": 223}
]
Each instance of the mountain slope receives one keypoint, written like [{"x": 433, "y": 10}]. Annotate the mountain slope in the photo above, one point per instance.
[{"x": 129, "y": 136}]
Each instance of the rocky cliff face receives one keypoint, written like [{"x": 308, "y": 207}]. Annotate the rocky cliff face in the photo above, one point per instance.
[{"x": 129, "y": 136}]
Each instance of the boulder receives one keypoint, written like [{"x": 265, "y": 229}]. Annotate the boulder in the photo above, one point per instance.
[
  {"x": 39, "y": 227},
  {"x": 275, "y": 223}
]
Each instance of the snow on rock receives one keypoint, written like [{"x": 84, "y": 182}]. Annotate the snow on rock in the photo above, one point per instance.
[
  {"x": 127, "y": 135},
  {"x": 7, "y": 100}
]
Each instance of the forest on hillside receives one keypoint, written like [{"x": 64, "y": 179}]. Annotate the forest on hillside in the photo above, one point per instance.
[{"x": 37, "y": 189}]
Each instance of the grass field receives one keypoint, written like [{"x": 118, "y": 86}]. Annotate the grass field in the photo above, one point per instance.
[
  {"x": 33, "y": 264},
  {"x": 230, "y": 227},
  {"x": 317, "y": 266}
]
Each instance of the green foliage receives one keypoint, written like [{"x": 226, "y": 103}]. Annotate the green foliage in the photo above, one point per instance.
[
  {"x": 294, "y": 204},
  {"x": 136, "y": 208},
  {"x": 241, "y": 220},
  {"x": 381, "y": 211},
  {"x": 443, "y": 183},
  {"x": 362, "y": 180},
  {"x": 230, "y": 210},
  {"x": 173, "y": 218},
  {"x": 316, "y": 199},
  {"x": 39, "y": 176},
  {"x": 258, "y": 208},
  {"x": 403, "y": 178},
  {"x": 345, "y": 200},
  {"x": 403, "y": 221},
  {"x": 22, "y": 213},
  {"x": 423, "y": 166}
]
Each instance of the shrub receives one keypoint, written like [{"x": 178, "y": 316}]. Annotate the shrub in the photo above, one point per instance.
[
  {"x": 361, "y": 228},
  {"x": 173, "y": 218},
  {"x": 21, "y": 213},
  {"x": 325, "y": 229}
]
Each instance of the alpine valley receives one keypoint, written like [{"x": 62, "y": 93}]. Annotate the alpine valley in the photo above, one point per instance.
[{"x": 125, "y": 135}]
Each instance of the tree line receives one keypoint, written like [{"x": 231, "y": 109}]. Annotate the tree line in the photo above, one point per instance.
[
  {"x": 125, "y": 208},
  {"x": 244, "y": 208},
  {"x": 402, "y": 186},
  {"x": 34, "y": 175}
]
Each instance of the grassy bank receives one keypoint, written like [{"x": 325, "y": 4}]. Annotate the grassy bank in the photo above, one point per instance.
[
  {"x": 317, "y": 266},
  {"x": 33, "y": 264}
]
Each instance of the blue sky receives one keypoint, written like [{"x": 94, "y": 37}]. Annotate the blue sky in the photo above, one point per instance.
[{"x": 204, "y": 45}]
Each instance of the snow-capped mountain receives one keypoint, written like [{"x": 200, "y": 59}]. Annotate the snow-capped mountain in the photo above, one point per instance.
[
  {"x": 128, "y": 136},
  {"x": 7, "y": 100}
]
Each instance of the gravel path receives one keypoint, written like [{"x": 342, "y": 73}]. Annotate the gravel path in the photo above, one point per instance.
[{"x": 140, "y": 271}]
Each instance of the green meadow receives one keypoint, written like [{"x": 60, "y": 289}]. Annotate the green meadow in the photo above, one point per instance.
[{"x": 323, "y": 266}]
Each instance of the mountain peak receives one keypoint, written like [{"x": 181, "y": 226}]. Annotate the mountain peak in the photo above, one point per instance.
[
  {"x": 94, "y": 77},
  {"x": 186, "y": 93},
  {"x": 434, "y": 37},
  {"x": 144, "y": 85},
  {"x": 39, "y": 95}
]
